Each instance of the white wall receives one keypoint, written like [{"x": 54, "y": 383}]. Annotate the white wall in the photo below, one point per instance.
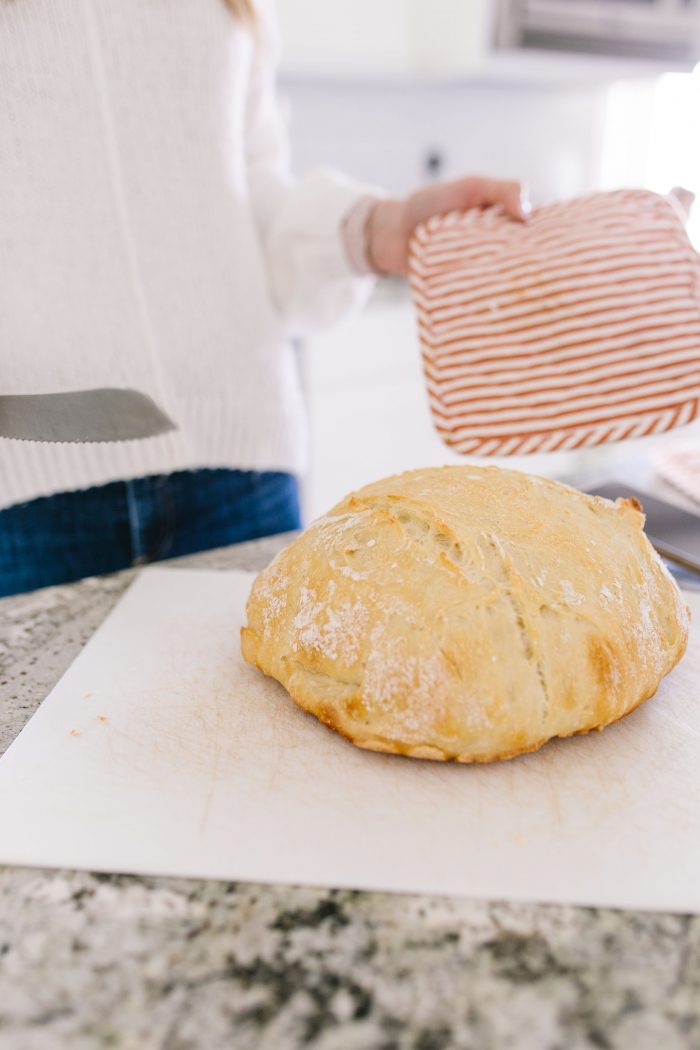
[{"x": 652, "y": 137}]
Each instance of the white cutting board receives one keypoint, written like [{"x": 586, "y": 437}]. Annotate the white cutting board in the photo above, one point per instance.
[{"x": 161, "y": 752}]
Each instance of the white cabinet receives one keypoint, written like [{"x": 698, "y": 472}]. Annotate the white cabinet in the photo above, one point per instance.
[
  {"x": 365, "y": 38},
  {"x": 464, "y": 39}
]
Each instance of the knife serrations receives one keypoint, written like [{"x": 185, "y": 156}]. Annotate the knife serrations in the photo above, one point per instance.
[{"x": 103, "y": 414}]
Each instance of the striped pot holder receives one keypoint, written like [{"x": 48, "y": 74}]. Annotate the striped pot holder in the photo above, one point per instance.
[{"x": 579, "y": 327}]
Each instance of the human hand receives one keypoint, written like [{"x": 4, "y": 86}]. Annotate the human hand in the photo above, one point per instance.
[{"x": 392, "y": 222}]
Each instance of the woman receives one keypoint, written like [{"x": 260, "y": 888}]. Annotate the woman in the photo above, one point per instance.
[{"x": 151, "y": 237}]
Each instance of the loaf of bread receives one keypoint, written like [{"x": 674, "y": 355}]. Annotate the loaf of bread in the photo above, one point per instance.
[{"x": 467, "y": 613}]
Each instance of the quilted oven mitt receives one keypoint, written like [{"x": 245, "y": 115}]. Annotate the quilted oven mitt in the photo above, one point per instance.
[{"x": 579, "y": 327}]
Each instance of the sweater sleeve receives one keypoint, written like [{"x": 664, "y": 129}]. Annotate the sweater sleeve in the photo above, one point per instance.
[{"x": 300, "y": 222}]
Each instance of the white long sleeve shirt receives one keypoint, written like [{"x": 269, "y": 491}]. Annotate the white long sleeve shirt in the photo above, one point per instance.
[{"x": 152, "y": 237}]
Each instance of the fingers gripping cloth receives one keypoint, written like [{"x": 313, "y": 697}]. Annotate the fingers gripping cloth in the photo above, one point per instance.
[{"x": 576, "y": 328}]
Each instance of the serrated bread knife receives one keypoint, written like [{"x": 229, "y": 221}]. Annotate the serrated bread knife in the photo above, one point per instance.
[{"x": 106, "y": 414}]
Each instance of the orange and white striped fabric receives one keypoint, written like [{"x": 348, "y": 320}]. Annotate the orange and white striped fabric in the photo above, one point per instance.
[{"x": 579, "y": 327}]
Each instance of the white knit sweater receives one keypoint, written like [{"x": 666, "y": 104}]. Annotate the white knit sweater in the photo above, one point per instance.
[{"x": 151, "y": 236}]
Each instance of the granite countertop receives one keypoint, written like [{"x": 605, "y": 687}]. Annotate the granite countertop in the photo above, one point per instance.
[{"x": 90, "y": 961}]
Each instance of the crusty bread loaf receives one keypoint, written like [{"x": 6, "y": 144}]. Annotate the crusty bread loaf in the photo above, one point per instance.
[{"x": 467, "y": 613}]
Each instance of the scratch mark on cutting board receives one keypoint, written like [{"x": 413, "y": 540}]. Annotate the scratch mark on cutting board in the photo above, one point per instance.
[{"x": 552, "y": 787}]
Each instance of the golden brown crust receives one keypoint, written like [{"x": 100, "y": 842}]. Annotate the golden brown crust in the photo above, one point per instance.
[{"x": 468, "y": 614}]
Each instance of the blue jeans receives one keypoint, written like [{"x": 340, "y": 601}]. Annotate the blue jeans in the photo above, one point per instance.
[{"x": 56, "y": 539}]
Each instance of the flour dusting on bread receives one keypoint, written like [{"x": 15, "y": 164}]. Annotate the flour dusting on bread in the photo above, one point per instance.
[{"x": 467, "y": 613}]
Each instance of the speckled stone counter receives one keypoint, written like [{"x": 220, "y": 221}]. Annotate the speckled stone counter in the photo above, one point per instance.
[{"x": 90, "y": 961}]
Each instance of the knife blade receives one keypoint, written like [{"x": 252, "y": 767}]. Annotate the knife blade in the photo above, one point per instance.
[{"x": 104, "y": 414}]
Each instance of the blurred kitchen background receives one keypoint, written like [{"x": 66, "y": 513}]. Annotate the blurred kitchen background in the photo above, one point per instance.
[{"x": 570, "y": 96}]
